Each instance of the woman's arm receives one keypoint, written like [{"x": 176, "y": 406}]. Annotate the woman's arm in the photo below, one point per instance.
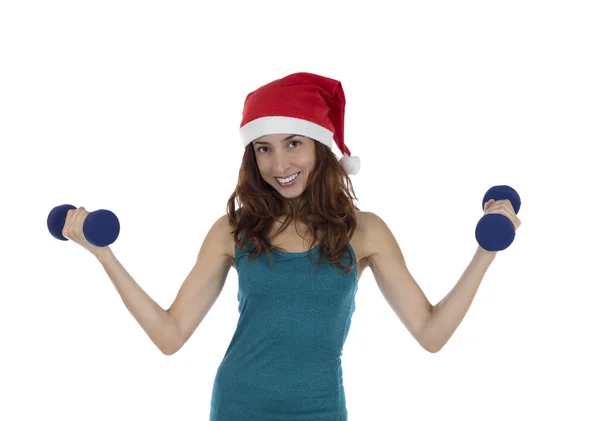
[
  {"x": 170, "y": 329},
  {"x": 158, "y": 324},
  {"x": 432, "y": 326}
]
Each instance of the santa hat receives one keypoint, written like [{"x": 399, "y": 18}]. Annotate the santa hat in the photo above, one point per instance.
[{"x": 305, "y": 104}]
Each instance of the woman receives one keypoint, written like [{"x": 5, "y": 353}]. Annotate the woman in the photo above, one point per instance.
[{"x": 299, "y": 245}]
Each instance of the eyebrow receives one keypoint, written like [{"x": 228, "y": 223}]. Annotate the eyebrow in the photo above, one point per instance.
[{"x": 282, "y": 140}]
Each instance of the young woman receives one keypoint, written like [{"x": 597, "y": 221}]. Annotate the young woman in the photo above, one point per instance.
[{"x": 299, "y": 246}]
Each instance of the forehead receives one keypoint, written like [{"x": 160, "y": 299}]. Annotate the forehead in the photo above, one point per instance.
[{"x": 274, "y": 139}]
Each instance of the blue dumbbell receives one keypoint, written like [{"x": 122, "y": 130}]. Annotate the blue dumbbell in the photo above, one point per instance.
[
  {"x": 495, "y": 231},
  {"x": 100, "y": 227}
]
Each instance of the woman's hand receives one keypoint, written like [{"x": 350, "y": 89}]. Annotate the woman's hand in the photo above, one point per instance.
[
  {"x": 73, "y": 229},
  {"x": 503, "y": 207}
]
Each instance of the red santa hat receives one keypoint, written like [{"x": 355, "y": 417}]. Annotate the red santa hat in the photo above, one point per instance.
[{"x": 305, "y": 104}]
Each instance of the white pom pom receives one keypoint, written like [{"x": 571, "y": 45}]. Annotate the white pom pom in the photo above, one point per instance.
[{"x": 351, "y": 164}]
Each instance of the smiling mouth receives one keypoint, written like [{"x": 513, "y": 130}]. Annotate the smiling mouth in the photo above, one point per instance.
[
  {"x": 288, "y": 176},
  {"x": 292, "y": 181}
]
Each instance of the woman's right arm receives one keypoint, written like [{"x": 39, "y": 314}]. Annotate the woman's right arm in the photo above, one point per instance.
[{"x": 170, "y": 329}]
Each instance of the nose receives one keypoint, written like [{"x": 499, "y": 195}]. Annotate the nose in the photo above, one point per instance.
[{"x": 280, "y": 162}]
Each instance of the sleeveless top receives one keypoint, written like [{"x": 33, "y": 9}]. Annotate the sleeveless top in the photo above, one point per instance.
[{"x": 284, "y": 360}]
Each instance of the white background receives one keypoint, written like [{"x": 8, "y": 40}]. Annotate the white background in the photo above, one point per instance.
[{"x": 135, "y": 107}]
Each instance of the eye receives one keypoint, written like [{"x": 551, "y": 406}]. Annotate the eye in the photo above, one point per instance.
[{"x": 259, "y": 149}]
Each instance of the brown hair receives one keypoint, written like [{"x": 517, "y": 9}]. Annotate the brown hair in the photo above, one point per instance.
[{"x": 326, "y": 205}]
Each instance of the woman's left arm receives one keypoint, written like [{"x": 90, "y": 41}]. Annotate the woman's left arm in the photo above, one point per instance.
[
  {"x": 432, "y": 326},
  {"x": 450, "y": 311}
]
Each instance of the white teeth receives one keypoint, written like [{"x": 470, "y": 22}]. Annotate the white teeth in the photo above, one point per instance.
[{"x": 287, "y": 180}]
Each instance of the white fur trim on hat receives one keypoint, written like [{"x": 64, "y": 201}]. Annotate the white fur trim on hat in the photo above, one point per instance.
[{"x": 282, "y": 125}]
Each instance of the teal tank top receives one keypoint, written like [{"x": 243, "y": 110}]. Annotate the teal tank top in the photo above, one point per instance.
[{"x": 284, "y": 360}]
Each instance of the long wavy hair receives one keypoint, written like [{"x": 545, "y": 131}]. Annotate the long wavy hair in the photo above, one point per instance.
[{"x": 325, "y": 206}]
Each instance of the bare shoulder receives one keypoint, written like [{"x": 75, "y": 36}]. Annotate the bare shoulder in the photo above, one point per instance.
[
  {"x": 362, "y": 240},
  {"x": 375, "y": 235},
  {"x": 370, "y": 219},
  {"x": 224, "y": 237}
]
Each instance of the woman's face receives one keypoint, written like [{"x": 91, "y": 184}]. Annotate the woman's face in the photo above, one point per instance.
[{"x": 285, "y": 156}]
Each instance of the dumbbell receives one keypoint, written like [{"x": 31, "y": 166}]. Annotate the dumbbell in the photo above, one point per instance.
[
  {"x": 100, "y": 227},
  {"x": 495, "y": 231}
]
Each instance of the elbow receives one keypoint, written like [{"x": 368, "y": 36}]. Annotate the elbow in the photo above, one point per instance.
[
  {"x": 171, "y": 342},
  {"x": 169, "y": 351},
  {"x": 432, "y": 349},
  {"x": 429, "y": 341},
  {"x": 170, "y": 348},
  {"x": 431, "y": 346}
]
